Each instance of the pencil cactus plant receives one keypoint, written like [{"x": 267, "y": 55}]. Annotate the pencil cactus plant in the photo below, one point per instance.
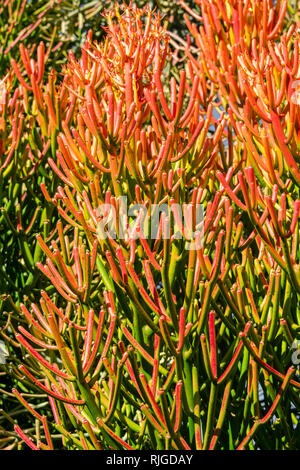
[{"x": 182, "y": 337}]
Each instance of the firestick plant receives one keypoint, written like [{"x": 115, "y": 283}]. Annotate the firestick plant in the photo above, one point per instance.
[{"x": 177, "y": 334}]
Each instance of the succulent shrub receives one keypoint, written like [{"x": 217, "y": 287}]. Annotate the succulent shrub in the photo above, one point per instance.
[{"x": 184, "y": 338}]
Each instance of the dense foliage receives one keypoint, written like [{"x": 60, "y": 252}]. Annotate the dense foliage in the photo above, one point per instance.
[{"x": 113, "y": 339}]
